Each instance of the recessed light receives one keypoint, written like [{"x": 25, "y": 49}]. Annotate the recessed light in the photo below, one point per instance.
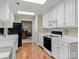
[
  {"x": 25, "y": 13},
  {"x": 36, "y": 1},
  {"x": 18, "y": 3}
]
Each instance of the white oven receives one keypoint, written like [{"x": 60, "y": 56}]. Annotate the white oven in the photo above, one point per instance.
[{"x": 48, "y": 41}]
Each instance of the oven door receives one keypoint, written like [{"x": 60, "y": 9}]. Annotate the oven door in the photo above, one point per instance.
[{"x": 47, "y": 43}]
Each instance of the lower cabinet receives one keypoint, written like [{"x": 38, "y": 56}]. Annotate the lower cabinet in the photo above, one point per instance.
[
  {"x": 64, "y": 50},
  {"x": 40, "y": 40},
  {"x": 55, "y": 48}
]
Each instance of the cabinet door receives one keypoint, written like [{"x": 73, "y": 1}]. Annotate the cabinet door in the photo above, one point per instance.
[
  {"x": 55, "y": 49},
  {"x": 45, "y": 20},
  {"x": 52, "y": 23},
  {"x": 41, "y": 40},
  {"x": 60, "y": 15},
  {"x": 3, "y": 10},
  {"x": 52, "y": 14},
  {"x": 70, "y": 13},
  {"x": 63, "y": 51}
]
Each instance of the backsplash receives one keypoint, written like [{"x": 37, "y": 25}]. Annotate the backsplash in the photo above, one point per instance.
[
  {"x": 71, "y": 32},
  {"x": 68, "y": 31}
]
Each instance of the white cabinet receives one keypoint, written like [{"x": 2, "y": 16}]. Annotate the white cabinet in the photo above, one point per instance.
[
  {"x": 70, "y": 13},
  {"x": 41, "y": 40},
  {"x": 67, "y": 50},
  {"x": 4, "y": 10},
  {"x": 52, "y": 14},
  {"x": 52, "y": 22},
  {"x": 64, "y": 14},
  {"x": 6, "y": 14},
  {"x": 45, "y": 20},
  {"x": 64, "y": 48},
  {"x": 55, "y": 48},
  {"x": 60, "y": 15}
]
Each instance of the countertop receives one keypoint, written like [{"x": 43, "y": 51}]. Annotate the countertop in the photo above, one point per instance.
[
  {"x": 69, "y": 39},
  {"x": 7, "y": 41}
]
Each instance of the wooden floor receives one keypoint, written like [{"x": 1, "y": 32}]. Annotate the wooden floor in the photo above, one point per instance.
[{"x": 31, "y": 51}]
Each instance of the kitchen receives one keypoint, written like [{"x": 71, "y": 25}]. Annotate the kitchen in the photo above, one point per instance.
[{"x": 54, "y": 28}]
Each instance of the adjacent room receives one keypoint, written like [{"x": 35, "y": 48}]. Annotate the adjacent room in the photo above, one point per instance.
[{"x": 26, "y": 31}]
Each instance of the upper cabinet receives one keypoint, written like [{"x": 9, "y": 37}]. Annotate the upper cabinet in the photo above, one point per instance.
[
  {"x": 70, "y": 20},
  {"x": 60, "y": 15},
  {"x": 6, "y": 14},
  {"x": 45, "y": 20},
  {"x": 52, "y": 22},
  {"x": 63, "y": 14}
]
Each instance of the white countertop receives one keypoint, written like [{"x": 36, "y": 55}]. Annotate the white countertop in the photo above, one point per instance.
[
  {"x": 8, "y": 41},
  {"x": 69, "y": 39}
]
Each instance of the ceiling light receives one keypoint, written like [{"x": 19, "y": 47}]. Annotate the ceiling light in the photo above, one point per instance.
[
  {"x": 36, "y": 1},
  {"x": 25, "y": 13}
]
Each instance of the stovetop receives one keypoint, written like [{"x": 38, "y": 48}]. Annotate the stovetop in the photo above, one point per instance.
[{"x": 52, "y": 35}]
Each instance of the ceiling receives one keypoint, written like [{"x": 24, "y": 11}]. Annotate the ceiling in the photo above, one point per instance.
[{"x": 31, "y": 7}]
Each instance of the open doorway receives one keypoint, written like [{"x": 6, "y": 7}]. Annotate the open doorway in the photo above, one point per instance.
[{"x": 26, "y": 31}]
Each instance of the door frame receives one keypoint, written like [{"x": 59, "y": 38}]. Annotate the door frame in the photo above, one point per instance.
[{"x": 32, "y": 20}]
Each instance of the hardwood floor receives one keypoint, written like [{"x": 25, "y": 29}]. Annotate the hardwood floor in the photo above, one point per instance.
[{"x": 31, "y": 51}]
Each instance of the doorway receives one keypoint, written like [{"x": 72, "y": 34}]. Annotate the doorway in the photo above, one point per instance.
[{"x": 26, "y": 31}]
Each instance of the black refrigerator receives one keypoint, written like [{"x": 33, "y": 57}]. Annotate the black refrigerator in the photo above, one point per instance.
[
  {"x": 17, "y": 29},
  {"x": 1, "y": 31}
]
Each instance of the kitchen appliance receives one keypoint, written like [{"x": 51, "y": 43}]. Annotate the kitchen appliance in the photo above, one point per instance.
[
  {"x": 47, "y": 43},
  {"x": 48, "y": 40},
  {"x": 1, "y": 31}
]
